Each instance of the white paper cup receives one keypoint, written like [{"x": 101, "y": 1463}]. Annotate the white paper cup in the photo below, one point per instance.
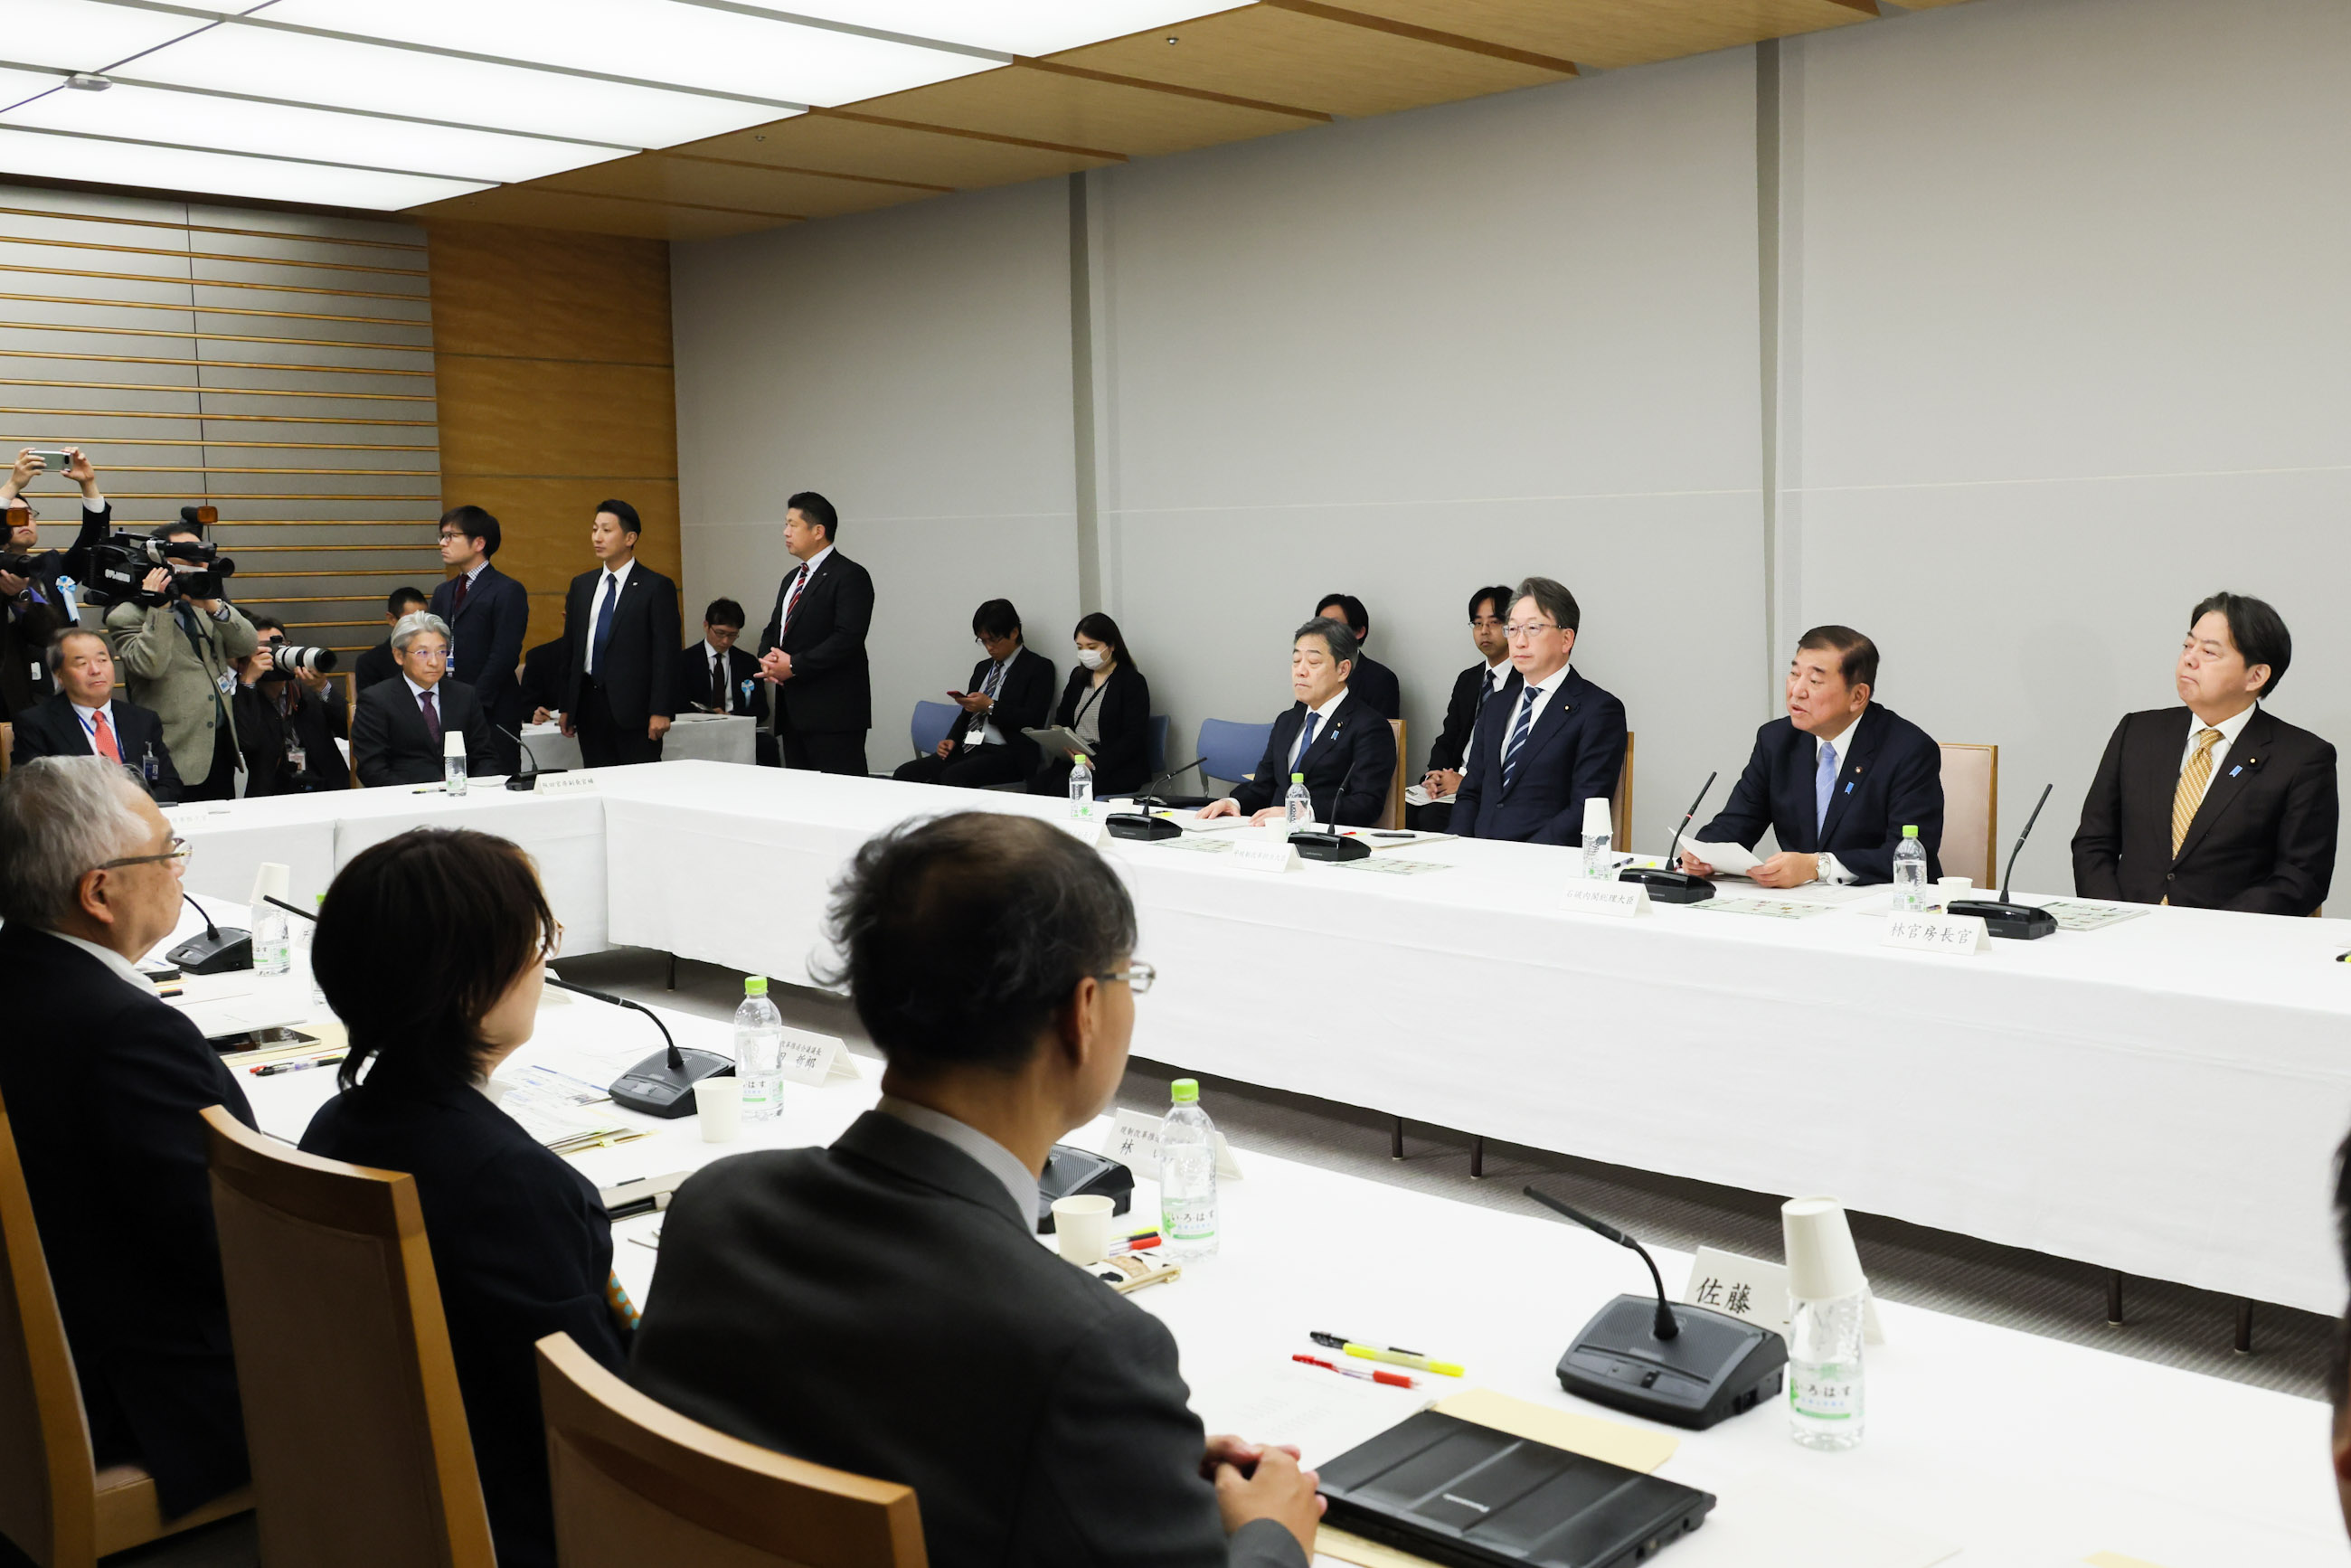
[
  {"x": 452, "y": 743},
  {"x": 271, "y": 880},
  {"x": 1822, "y": 1265},
  {"x": 1956, "y": 884},
  {"x": 718, "y": 1106},
  {"x": 1276, "y": 831},
  {"x": 1081, "y": 1227}
]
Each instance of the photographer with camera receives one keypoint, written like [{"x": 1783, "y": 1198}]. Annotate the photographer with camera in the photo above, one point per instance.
[
  {"x": 36, "y": 601},
  {"x": 84, "y": 717},
  {"x": 288, "y": 717},
  {"x": 179, "y": 642}
]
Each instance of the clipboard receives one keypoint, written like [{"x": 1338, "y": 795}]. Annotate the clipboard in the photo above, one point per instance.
[{"x": 1058, "y": 740}]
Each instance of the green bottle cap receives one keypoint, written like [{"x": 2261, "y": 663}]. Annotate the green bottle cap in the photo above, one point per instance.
[
  {"x": 755, "y": 984},
  {"x": 1910, "y": 832},
  {"x": 1185, "y": 1091},
  {"x": 1298, "y": 778},
  {"x": 1081, "y": 757}
]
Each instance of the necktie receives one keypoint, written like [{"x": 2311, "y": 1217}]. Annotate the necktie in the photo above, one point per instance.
[
  {"x": 1518, "y": 733},
  {"x": 432, "y": 715},
  {"x": 101, "y": 739},
  {"x": 995, "y": 679},
  {"x": 2190, "y": 793},
  {"x": 798, "y": 588},
  {"x": 457, "y": 599},
  {"x": 719, "y": 682},
  {"x": 603, "y": 632},
  {"x": 1305, "y": 742},
  {"x": 1824, "y": 791}
]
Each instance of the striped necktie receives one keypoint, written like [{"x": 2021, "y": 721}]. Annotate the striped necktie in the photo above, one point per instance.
[
  {"x": 2190, "y": 793},
  {"x": 1519, "y": 735}
]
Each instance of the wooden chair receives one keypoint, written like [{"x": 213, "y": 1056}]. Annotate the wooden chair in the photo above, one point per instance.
[
  {"x": 637, "y": 1483},
  {"x": 1971, "y": 812},
  {"x": 1620, "y": 804},
  {"x": 1392, "y": 814},
  {"x": 56, "y": 1504},
  {"x": 360, "y": 1453}
]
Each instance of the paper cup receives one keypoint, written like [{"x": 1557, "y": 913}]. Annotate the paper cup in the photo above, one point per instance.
[
  {"x": 1595, "y": 815},
  {"x": 271, "y": 880},
  {"x": 1081, "y": 1227},
  {"x": 718, "y": 1106},
  {"x": 452, "y": 743},
  {"x": 1956, "y": 884},
  {"x": 1821, "y": 1263},
  {"x": 1276, "y": 831}
]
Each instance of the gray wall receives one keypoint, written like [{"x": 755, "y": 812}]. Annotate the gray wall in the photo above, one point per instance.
[{"x": 2003, "y": 332}]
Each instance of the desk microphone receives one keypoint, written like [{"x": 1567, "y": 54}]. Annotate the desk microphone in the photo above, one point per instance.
[
  {"x": 526, "y": 780},
  {"x": 1334, "y": 845},
  {"x": 1142, "y": 824},
  {"x": 289, "y": 908},
  {"x": 663, "y": 1083},
  {"x": 1149, "y": 794},
  {"x": 1671, "y": 884},
  {"x": 1666, "y": 1327},
  {"x": 2025, "y": 922},
  {"x": 221, "y": 950}
]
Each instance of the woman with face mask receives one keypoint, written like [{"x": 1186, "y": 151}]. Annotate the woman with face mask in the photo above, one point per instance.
[{"x": 1108, "y": 702}]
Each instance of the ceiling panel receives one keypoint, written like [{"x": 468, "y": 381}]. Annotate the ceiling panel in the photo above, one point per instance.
[
  {"x": 44, "y": 155},
  {"x": 1013, "y": 27},
  {"x": 663, "y": 177},
  {"x": 82, "y": 36},
  {"x": 847, "y": 143},
  {"x": 1043, "y": 105},
  {"x": 533, "y": 207},
  {"x": 1610, "y": 34},
  {"x": 1290, "y": 57}
]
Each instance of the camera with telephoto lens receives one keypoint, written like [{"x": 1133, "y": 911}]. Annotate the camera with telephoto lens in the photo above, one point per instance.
[
  {"x": 291, "y": 658},
  {"x": 17, "y": 565}
]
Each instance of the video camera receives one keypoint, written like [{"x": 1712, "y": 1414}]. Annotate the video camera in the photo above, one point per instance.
[{"x": 118, "y": 567}]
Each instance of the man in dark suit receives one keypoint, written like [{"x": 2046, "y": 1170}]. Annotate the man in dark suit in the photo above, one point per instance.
[
  {"x": 2219, "y": 804},
  {"x": 882, "y": 1306},
  {"x": 1552, "y": 743},
  {"x": 377, "y": 664},
  {"x": 83, "y": 717},
  {"x": 104, "y": 1086},
  {"x": 399, "y": 730},
  {"x": 1346, "y": 751},
  {"x": 546, "y": 680},
  {"x": 622, "y": 620},
  {"x": 37, "y": 604},
  {"x": 1489, "y": 610},
  {"x": 814, "y": 648},
  {"x": 717, "y": 676},
  {"x": 1011, "y": 690},
  {"x": 286, "y": 724},
  {"x": 1373, "y": 683},
  {"x": 487, "y": 612},
  {"x": 1837, "y": 780}
]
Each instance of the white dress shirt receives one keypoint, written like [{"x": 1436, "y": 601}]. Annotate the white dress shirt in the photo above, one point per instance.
[
  {"x": 113, "y": 960},
  {"x": 1540, "y": 697},
  {"x": 89, "y": 716},
  {"x": 620, "y": 576},
  {"x": 1019, "y": 1184},
  {"x": 1830, "y": 868},
  {"x": 2230, "y": 729},
  {"x": 1321, "y": 728}
]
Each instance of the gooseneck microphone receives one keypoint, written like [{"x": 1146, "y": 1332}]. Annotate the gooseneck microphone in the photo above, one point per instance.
[
  {"x": 2020, "y": 922},
  {"x": 211, "y": 930},
  {"x": 663, "y": 1083},
  {"x": 526, "y": 780},
  {"x": 1149, "y": 794},
  {"x": 1332, "y": 845},
  {"x": 1669, "y": 883},
  {"x": 1141, "y": 824},
  {"x": 290, "y": 909},
  {"x": 1667, "y": 1325},
  {"x": 221, "y": 950}
]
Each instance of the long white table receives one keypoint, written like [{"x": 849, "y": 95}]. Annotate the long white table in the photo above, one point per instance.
[
  {"x": 2018, "y": 1451},
  {"x": 693, "y": 737}
]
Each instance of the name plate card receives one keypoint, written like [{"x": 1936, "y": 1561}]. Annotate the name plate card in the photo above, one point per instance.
[
  {"x": 814, "y": 1058},
  {"x": 577, "y": 781},
  {"x": 1133, "y": 1142},
  {"x": 1751, "y": 1289},
  {"x": 1591, "y": 896},
  {"x": 1257, "y": 854},
  {"x": 1932, "y": 930}
]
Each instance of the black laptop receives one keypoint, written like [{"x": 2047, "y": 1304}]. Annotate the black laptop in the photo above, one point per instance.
[{"x": 1459, "y": 1493}]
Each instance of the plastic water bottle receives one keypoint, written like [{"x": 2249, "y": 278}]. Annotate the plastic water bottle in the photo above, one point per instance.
[
  {"x": 272, "y": 947},
  {"x": 1187, "y": 1176},
  {"x": 759, "y": 1050},
  {"x": 1298, "y": 806},
  {"x": 1824, "y": 1408},
  {"x": 1598, "y": 838},
  {"x": 1081, "y": 790},
  {"x": 1909, "y": 873},
  {"x": 453, "y": 766}
]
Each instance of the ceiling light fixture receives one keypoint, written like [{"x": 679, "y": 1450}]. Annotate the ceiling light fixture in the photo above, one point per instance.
[{"x": 85, "y": 81}]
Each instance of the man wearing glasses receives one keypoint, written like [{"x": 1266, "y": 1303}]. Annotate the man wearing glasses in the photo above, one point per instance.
[
  {"x": 105, "y": 1085},
  {"x": 487, "y": 612},
  {"x": 398, "y": 730},
  {"x": 882, "y": 1306},
  {"x": 1490, "y": 612},
  {"x": 1550, "y": 742}
]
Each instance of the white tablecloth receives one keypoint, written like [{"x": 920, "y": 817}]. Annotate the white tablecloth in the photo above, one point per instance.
[
  {"x": 2163, "y": 1096},
  {"x": 693, "y": 737}
]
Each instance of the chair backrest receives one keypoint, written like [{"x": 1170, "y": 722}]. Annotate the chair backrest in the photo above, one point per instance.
[
  {"x": 1620, "y": 804},
  {"x": 1157, "y": 759},
  {"x": 635, "y": 1483},
  {"x": 1231, "y": 750},
  {"x": 48, "y": 1503},
  {"x": 1971, "y": 812},
  {"x": 931, "y": 724},
  {"x": 1392, "y": 814},
  {"x": 360, "y": 1453}
]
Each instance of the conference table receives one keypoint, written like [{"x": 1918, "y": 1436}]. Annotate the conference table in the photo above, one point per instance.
[
  {"x": 2161, "y": 1096},
  {"x": 1983, "y": 1445},
  {"x": 691, "y": 737}
]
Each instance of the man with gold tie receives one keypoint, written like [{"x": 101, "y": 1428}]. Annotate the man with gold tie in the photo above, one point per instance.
[{"x": 2219, "y": 804}]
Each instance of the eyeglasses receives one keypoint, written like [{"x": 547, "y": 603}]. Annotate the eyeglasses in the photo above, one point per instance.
[
  {"x": 178, "y": 851},
  {"x": 430, "y": 655},
  {"x": 1520, "y": 634},
  {"x": 1137, "y": 975}
]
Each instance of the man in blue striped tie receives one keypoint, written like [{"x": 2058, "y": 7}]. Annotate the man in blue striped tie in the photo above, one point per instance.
[{"x": 1549, "y": 740}]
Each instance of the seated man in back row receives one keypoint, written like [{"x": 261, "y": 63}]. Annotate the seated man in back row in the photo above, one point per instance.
[
  {"x": 1554, "y": 741},
  {"x": 1347, "y": 753},
  {"x": 1836, "y": 780}
]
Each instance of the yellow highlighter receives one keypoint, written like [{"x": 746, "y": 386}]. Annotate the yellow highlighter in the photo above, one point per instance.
[{"x": 1403, "y": 1358}]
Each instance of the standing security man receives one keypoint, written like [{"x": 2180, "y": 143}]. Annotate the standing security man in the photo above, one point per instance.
[{"x": 813, "y": 649}]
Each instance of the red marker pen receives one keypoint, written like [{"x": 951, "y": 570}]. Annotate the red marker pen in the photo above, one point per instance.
[{"x": 1393, "y": 1379}]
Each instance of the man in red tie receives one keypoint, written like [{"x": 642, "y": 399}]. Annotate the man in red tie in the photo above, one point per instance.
[
  {"x": 84, "y": 717},
  {"x": 813, "y": 649}
]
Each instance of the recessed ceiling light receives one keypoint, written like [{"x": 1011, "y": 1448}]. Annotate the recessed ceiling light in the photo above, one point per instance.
[{"x": 216, "y": 173}]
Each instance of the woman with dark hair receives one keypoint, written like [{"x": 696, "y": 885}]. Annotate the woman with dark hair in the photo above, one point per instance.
[
  {"x": 431, "y": 949},
  {"x": 1108, "y": 702}
]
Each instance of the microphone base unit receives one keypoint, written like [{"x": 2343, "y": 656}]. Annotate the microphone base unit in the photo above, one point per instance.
[
  {"x": 525, "y": 782},
  {"x": 1667, "y": 886},
  {"x": 1140, "y": 825},
  {"x": 1718, "y": 1366},
  {"x": 1333, "y": 846},
  {"x": 653, "y": 1088},
  {"x": 209, "y": 955},
  {"x": 2019, "y": 922}
]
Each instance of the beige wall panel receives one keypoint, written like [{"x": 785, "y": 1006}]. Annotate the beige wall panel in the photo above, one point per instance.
[
  {"x": 539, "y": 293},
  {"x": 550, "y": 417}
]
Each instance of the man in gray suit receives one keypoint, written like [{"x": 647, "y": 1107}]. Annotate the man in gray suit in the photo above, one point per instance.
[{"x": 882, "y": 1306}]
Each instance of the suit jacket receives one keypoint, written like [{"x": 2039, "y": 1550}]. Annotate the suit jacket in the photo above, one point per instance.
[
  {"x": 693, "y": 681},
  {"x": 1374, "y": 685},
  {"x": 1356, "y": 748},
  {"x": 639, "y": 669},
  {"x": 390, "y": 744},
  {"x": 261, "y": 734},
  {"x": 486, "y": 636},
  {"x": 2263, "y": 840},
  {"x": 1023, "y": 702},
  {"x": 546, "y": 677},
  {"x": 1575, "y": 750},
  {"x": 1451, "y": 751},
  {"x": 1121, "y": 762},
  {"x": 52, "y": 728},
  {"x": 882, "y": 1307},
  {"x": 1889, "y": 774},
  {"x": 177, "y": 673},
  {"x": 831, "y": 689},
  {"x": 522, "y": 1248},
  {"x": 29, "y": 621},
  {"x": 373, "y": 667},
  {"x": 104, "y": 1084}
]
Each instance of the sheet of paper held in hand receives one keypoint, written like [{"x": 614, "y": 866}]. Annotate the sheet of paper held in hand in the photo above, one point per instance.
[{"x": 1730, "y": 860}]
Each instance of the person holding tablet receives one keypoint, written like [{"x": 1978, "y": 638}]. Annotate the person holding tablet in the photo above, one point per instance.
[{"x": 1107, "y": 705}]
